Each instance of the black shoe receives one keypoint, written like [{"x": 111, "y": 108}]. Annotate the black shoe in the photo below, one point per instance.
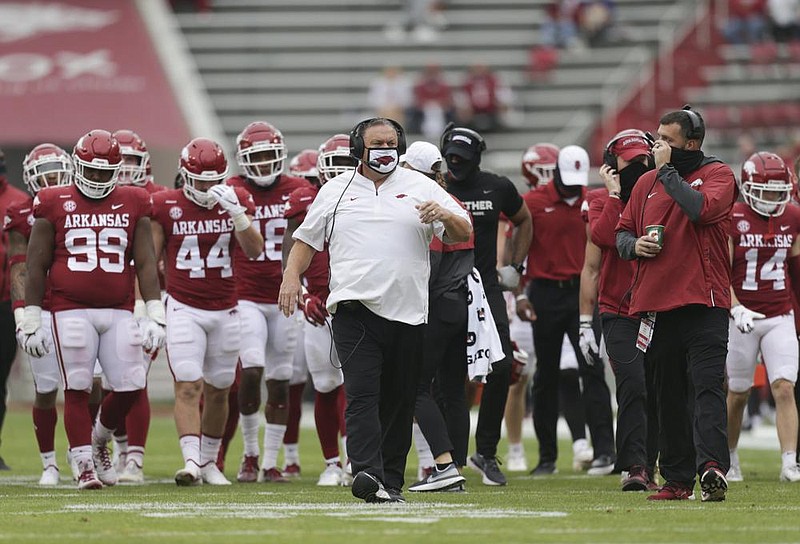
[
  {"x": 395, "y": 495},
  {"x": 368, "y": 488},
  {"x": 544, "y": 469},
  {"x": 3, "y": 465},
  {"x": 601, "y": 466},
  {"x": 487, "y": 466}
]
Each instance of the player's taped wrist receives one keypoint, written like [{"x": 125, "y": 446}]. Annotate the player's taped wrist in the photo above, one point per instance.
[
  {"x": 585, "y": 320},
  {"x": 522, "y": 297},
  {"x": 241, "y": 222},
  {"x": 19, "y": 316},
  {"x": 139, "y": 309},
  {"x": 32, "y": 319},
  {"x": 156, "y": 312}
]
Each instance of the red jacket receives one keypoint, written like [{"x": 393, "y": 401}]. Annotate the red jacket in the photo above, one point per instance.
[{"x": 694, "y": 264}]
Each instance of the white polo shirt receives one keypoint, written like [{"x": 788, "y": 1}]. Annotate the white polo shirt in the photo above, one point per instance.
[{"x": 378, "y": 247}]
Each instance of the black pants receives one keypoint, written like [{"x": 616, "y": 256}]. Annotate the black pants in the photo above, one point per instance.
[
  {"x": 689, "y": 348},
  {"x": 8, "y": 350},
  {"x": 380, "y": 361},
  {"x": 445, "y": 360},
  {"x": 628, "y": 364},
  {"x": 557, "y": 313},
  {"x": 495, "y": 390}
]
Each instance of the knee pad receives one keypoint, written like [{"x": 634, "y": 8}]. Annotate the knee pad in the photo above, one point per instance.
[
  {"x": 186, "y": 371},
  {"x": 739, "y": 385},
  {"x": 325, "y": 382},
  {"x": 78, "y": 378},
  {"x": 221, "y": 378},
  {"x": 282, "y": 372}
]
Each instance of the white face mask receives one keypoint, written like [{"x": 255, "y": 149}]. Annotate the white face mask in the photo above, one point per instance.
[{"x": 382, "y": 159}]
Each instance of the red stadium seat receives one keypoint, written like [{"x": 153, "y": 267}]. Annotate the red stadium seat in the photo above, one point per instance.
[{"x": 541, "y": 61}]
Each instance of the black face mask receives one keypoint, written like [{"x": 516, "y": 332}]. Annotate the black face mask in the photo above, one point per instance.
[
  {"x": 686, "y": 161},
  {"x": 566, "y": 191},
  {"x": 628, "y": 177},
  {"x": 461, "y": 170}
]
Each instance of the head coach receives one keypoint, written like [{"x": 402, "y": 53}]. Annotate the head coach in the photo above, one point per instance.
[{"x": 377, "y": 222}]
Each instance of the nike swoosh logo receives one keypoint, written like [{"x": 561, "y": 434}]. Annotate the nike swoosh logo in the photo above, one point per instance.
[
  {"x": 352, "y": 198},
  {"x": 26, "y": 210},
  {"x": 784, "y": 228},
  {"x": 170, "y": 202},
  {"x": 285, "y": 197},
  {"x": 486, "y": 192},
  {"x": 304, "y": 198},
  {"x": 116, "y": 206},
  {"x": 63, "y": 196},
  {"x": 220, "y": 212},
  {"x": 548, "y": 210},
  {"x": 738, "y": 215},
  {"x": 651, "y": 195}
]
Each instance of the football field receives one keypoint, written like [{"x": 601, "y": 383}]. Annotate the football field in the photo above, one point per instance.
[{"x": 568, "y": 507}]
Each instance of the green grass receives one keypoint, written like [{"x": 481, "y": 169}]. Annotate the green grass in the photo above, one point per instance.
[{"x": 568, "y": 507}]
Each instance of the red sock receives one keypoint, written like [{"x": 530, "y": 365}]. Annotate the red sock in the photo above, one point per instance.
[
  {"x": 326, "y": 416},
  {"x": 77, "y": 421},
  {"x": 340, "y": 407},
  {"x": 137, "y": 422},
  {"x": 115, "y": 407},
  {"x": 233, "y": 418},
  {"x": 92, "y": 410},
  {"x": 44, "y": 425},
  {"x": 295, "y": 412}
]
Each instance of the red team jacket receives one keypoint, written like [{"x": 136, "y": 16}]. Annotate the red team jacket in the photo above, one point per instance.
[{"x": 694, "y": 264}]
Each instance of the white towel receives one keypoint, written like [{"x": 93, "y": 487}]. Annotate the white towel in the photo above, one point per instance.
[{"x": 483, "y": 342}]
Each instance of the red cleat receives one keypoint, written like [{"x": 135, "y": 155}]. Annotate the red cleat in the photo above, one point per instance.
[
  {"x": 272, "y": 475},
  {"x": 248, "y": 471}
]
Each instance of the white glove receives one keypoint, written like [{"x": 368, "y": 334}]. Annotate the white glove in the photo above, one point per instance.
[
  {"x": 34, "y": 341},
  {"x": 225, "y": 196},
  {"x": 139, "y": 310},
  {"x": 154, "y": 326},
  {"x": 19, "y": 317},
  {"x": 587, "y": 341},
  {"x": 508, "y": 277},
  {"x": 744, "y": 318}
]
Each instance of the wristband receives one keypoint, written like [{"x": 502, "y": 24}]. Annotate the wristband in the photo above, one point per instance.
[
  {"x": 523, "y": 296},
  {"x": 519, "y": 267},
  {"x": 241, "y": 222},
  {"x": 16, "y": 259},
  {"x": 586, "y": 320},
  {"x": 156, "y": 312},
  {"x": 615, "y": 194},
  {"x": 139, "y": 309},
  {"x": 32, "y": 319},
  {"x": 19, "y": 316}
]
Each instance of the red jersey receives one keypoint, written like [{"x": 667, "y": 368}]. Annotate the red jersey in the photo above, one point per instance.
[
  {"x": 615, "y": 273},
  {"x": 152, "y": 187},
  {"x": 316, "y": 276},
  {"x": 93, "y": 252},
  {"x": 559, "y": 235},
  {"x": 199, "y": 245},
  {"x": 694, "y": 265},
  {"x": 761, "y": 247},
  {"x": 8, "y": 196},
  {"x": 259, "y": 279}
]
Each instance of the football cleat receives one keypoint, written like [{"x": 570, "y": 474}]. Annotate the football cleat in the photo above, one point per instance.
[
  {"x": 291, "y": 471},
  {"x": 103, "y": 465},
  {"x": 50, "y": 476},
  {"x": 635, "y": 480},
  {"x": 189, "y": 475},
  {"x": 713, "y": 485},
  {"x": 734, "y": 474},
  {"x": 347, "y": 476},
  {"x": 212, "y": 476},
  {"x": 271, "y": 475},
  {"x": 582, "y": 455},
  {"x": 603, "y": 465},
  {"x": 517, "y": 463},
  {"x": 332, "y": 476},
  {"x": 440, "y": 480},
  {"x": 88, "y": 477},
  {"x": 73, "y": 466},
  {"x": 248, "y": 471},
  {"x": 673, "y": 491},
  {"x": 790, "y": 474},
  {"x": 131, "y": 474},
  {"x": 119, "y": 460}
]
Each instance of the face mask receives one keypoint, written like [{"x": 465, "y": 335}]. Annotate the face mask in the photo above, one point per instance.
[
  {"x": 686, "y": 161},
  {"x": 628, "y": 177},
  {"x": 461, "y": 170},
  {"x": 382, "y": 159},
  {"x": 566, "y": 191}
]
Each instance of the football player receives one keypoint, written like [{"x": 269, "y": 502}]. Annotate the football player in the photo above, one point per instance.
[
  {"x": 304, "y": 165},
  {"x": 88, "y": 242},
  {"x": 765, "y": 249},
  {"x": 201, "y": 225},
  {"x": 269, "y": 338},
  {"x": 320, "y": 356},
  {"x": 46, "y": 165}
]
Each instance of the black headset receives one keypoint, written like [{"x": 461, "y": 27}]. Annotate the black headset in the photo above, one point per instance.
[
  {"x": 451, "y": 130},
  {"x": 697, "y": 123},
  {"x": 610, "y": 159},
  {"x": 357, "y": 136}
]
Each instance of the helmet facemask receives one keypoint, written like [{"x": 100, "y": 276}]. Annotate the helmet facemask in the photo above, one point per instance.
[
  {"x": 262, "y": 162},
  {"x": 47, "y": 171},
  {"x": 767, "y": 199},
  {"x": 95, "y": 179}
]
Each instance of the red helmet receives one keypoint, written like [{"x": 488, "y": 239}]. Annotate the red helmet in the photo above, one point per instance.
[
  {"x": 304, "y": 165},
  {"x": 135, "y": 166},
  {"x": 763, "y": 174},
  {"x": 46, "y": 165},
  {"x": 97, "y": 155},
  {"x": 539, "y": 163},
  {"x": 261, "y": 152},
  {"x": 334, "y": 157},
  {"x": 202, "y": 160}
]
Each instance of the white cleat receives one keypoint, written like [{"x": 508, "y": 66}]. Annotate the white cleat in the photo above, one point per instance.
[
  {"x": 119, "y": 460},
  {"x": 73, "y": 467},
  {"x": 332, "y": 476},
  {"x": 103, "y": 465},
  {"x": 189, "y": 475},
  {"x": 582, "y": 455},
  {"x": 735, "y": 474},
  {"x": 50, "y": 476},
  {"x": 516, "y": 463},
  {"x": 88, "y": 477},
  {"x": 790, "y": 474},
  {"x": 212, "y": 476},
  {"x": 131, "y": 474}
]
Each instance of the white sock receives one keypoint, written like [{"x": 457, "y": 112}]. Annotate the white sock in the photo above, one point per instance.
[
  {"x": 101, "y": 434},
  {"x": 424, "y": 455},
  {"x": 516, "y": 450},
  {"x": 343, "y": 449},
  {"x": 250, "y": 425},
  {"x": 291, "y": 454},
  {"x": 49, "y": 459},
  {"x": 273, "y": 438},
  {"x": 734, "y": 457},
  {"x": 121, "y": 444},
  {"x": 789, "y": 459},
  {"x": 209, "y": 449},
  {"x": 136, "y": 454},
  {"x": 190, "y": 448},
  {"x": 333, "y": 461}
]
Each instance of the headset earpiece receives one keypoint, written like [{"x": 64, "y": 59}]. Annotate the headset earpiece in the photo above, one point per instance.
[
  {"x": 357, "y": 136},
  {"x": 694, "y": 119}
]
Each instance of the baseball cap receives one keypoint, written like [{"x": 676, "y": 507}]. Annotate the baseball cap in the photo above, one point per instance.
[
  {"x": 463, "y": 142},
  {"x": 573, "y": 166},
  {"x": 422, "y": 156},
  {"x": 630, "y": 146}
]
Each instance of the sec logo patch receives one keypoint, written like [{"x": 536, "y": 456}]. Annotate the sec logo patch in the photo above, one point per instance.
[
  {"x": 175, "y": 212},
  {"x": 743, "y": 226},
  {"x": 31, "y": 219},
  {"x": 70, "y": 206}
]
